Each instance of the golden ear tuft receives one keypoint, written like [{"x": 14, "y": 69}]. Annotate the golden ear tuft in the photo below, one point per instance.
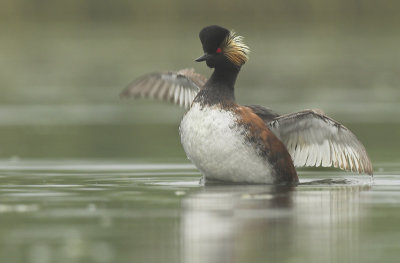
[{"x": 235, "y": 49}]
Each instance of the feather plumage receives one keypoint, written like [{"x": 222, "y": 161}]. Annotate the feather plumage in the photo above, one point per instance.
[
  {"x": 235, "y": 49},
  {"x": 314, "y": 139},
  {"x": 179, "y": 87}
]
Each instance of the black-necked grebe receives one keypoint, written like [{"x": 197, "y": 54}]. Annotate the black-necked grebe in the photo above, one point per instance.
[{"x": 247, "y": 144}]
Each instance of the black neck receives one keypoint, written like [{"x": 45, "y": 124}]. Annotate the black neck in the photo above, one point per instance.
[{"x": 219, "y": 89}]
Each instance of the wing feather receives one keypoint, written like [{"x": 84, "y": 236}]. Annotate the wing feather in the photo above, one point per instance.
[
  {"x": 187, "y": 98},
  {"x": 179, "y": 87},
  {"x": 163, "y": 91},
  {"x": 313, "y": 139},
  {"x": 182, "y": 97},
  {"x": 176, "y": 96},
  {"x": 326, "y": 158}
]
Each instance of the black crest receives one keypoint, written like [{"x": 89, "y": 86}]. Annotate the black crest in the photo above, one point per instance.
[{"x": 211, "y": 37}]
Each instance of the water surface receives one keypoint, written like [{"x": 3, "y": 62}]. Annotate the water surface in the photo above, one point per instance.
[{"x": 122, "y": 211}]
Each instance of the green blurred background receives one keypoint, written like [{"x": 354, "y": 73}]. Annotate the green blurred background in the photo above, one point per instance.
[{"x": 63, "y": 64}]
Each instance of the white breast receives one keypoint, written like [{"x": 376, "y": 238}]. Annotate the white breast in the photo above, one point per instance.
[{"x": 217, "y": 146}]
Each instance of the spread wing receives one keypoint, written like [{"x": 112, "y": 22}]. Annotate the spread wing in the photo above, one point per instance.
[
  {"x": 179, "y": 87},
  {"x": 314, "y": 139}
]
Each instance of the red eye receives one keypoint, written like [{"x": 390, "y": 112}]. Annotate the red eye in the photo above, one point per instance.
[{"x": 219, "y": 50}]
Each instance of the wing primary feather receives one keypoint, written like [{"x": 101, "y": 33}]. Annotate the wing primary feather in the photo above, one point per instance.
[
  {"x": 326, "y": 158},
  {"x": 153, "y": 90},
  {"x": 176, "y": 94},
  {"x": 134, "y": 89},
  {"x": 177, "y": 87},
  {"x": 318, "y": 159},
  {"x": 334, "y": 155},
  {"x": 163, "y": 91},
  {"x": 311, "y": 156},
  {"x": 187, "y": 98},
  {"x": 313, "y": 139},
  {"x": 351, "y": 159},
  {"x": 170, "y": 96},
  {"x": 182, "y": 97}
]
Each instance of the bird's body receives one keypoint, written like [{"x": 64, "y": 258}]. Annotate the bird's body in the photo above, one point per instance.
[
  {"x": 216, "y": 144},
  {"x": 246, "y": 144},
  {"x": 230, "y": 145}
]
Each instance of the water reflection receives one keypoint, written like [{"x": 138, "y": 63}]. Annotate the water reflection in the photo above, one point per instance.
[{"x": 314, "y": 223}]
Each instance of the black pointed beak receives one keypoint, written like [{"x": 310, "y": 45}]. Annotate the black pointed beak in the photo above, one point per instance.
[{"x": 202, "y": 58}]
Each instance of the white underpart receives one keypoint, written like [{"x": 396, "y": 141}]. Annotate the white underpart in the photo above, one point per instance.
[{"x": 217, "y": 146}]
